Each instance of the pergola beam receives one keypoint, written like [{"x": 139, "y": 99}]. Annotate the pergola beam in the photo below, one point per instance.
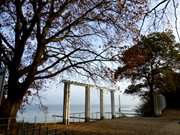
[{"x": 86, "y": 84}]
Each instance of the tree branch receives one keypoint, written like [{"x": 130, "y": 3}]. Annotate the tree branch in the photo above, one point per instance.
[
  {"x": 150, "y": 11},
  {"x": 6, "y": 42},
  {"x": 75, "y": 22},
  {"x": 176, "y": 19},
  {"x": 66, "y": 68},
  {"x": 55, "y": 63}
]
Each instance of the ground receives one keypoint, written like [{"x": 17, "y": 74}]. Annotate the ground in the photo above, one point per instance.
[{"x": 168, "y": 124}]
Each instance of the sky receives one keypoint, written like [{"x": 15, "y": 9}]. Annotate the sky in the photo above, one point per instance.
[{"x": 54, "y": 95}]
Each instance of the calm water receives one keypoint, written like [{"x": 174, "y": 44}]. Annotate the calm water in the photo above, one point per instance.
[{"x": 33, "y": 113}]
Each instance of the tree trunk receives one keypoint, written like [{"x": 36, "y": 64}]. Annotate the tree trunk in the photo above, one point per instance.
[
  {"x": 152, "y": 100},
  {"x": 8, "y": 111},
  {"x": 11, "y": 104}
]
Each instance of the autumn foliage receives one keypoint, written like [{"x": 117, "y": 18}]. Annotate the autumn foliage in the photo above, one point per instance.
[{"x": 146, "y": 63}]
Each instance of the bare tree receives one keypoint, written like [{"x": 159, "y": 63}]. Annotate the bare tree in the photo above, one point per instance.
[
  {"x": 43, "y": 38},
  {"x": 161, "y": 15}
]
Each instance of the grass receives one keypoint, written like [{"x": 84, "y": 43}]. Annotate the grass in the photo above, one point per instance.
[{"x": 168, "y": 124}]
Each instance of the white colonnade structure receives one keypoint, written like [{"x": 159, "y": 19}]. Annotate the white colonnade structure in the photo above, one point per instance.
[{"x": 66, "y": 102}]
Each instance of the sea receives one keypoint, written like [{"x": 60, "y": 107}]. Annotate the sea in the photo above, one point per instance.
[{"x": 53, "y": 113}]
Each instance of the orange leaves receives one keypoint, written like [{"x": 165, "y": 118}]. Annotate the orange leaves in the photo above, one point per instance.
[{"x": 135, "y": 56}]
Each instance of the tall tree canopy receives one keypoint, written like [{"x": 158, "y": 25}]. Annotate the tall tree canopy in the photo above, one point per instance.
[
  {"x": 40, "y": 39},
  {"x": 168, "y": 85},
  {"x": 147, "y": 61}
]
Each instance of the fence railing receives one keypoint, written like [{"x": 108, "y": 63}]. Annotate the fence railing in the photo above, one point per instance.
[
  {"x": 80, "y": 117},
  {"x": 34, "y": 129}
]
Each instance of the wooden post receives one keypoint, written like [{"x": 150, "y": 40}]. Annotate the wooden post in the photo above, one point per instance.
[
  {"x": 55, "y": 131},
  {"x": 101, "y": 104},
  {"x": 39, "y": 129},
  {"x": 17, "y": 131},
  {"x": 112, "y": 105},
  {"x": 47, "y": 130},
  {"x": 33, "y": 128},
  {"x": 66, "y": 104},
  {"x": 87, "y": 103}
]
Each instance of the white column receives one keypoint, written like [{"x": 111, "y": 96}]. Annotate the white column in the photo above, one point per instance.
[
  {"x": 112, "y": 104},
  {"x": 66, "y": 104},
  {"x": 87, "y": 104},
  {"x": 101, "y": 104}
]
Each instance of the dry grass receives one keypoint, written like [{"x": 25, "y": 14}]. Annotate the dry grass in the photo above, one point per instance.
[{"x": 166, "y": 125}]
